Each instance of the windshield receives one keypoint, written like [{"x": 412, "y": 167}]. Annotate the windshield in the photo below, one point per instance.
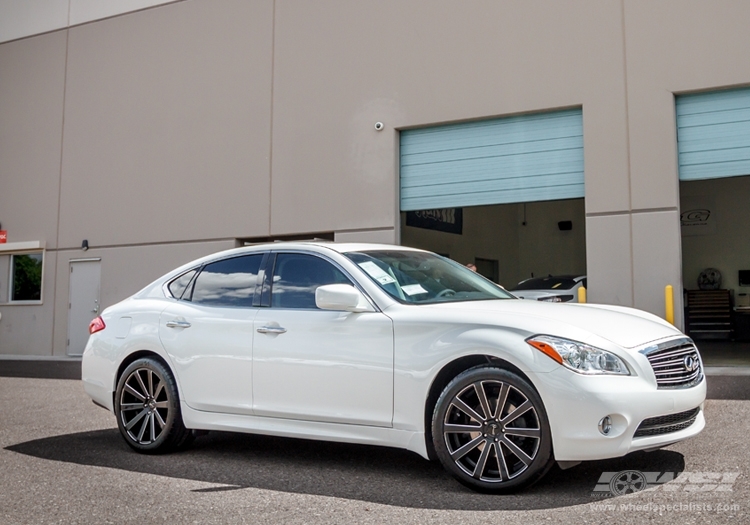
[
  {"x": 546, "y": 283},
  {"x": 425, "y": 278}
]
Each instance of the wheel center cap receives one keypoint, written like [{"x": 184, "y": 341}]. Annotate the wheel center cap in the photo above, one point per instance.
[
  {"x": 493, "y": 429},
  {"x": 152, "y": 404}
]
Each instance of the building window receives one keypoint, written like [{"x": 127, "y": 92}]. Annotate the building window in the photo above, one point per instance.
[{"x": 26, "y": 277}]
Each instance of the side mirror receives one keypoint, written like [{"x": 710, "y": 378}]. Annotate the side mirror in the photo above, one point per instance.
[{"x": 341, "y": 297}]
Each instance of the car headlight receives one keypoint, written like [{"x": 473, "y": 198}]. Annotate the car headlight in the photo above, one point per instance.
[
  {"x": 556, "y": 298},
  {"x": 579, "y": 357}
]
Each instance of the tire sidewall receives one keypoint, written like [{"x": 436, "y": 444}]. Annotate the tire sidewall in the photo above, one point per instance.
[{"x": 538, "y": 467}]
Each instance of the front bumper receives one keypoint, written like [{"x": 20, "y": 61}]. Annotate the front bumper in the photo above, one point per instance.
[{"x": 576, "y": 404}]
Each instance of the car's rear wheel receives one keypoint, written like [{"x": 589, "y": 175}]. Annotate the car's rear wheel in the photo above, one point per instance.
[
  {"x": 147, "y": 407},
  {"x": 490, "y": 431}
]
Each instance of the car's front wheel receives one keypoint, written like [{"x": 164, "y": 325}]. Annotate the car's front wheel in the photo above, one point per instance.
[
  {"x": 490, "y": 431},
  {"x": 148, "y": 408}
]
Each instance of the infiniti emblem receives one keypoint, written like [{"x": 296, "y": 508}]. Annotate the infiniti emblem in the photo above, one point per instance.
[{"x": 691, "y": 363}]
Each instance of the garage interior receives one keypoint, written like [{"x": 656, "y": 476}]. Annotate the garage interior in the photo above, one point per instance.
[
  {"x": 714, "y": 229},
  {"x": 507, "y": 242},
  {"x": 713, "y": 139}
]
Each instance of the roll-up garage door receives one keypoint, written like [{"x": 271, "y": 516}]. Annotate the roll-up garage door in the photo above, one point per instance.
[
  {"x": 524, "y": 158},
  {"x": 713, "y": 134}
]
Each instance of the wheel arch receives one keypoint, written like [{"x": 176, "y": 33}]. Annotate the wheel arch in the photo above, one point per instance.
[
  {"x": 446, "y": 375},
  {"x": 130, "y": 358}
]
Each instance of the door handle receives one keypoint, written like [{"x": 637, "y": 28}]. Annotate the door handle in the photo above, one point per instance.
[
  {"x": 178, "y": 324},
  {"x": 271, "y": 330}
]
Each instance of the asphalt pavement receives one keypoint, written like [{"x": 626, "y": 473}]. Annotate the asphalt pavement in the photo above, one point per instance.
[{"x": 62, "y": 460}]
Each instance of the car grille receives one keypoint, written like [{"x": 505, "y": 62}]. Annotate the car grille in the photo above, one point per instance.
[
  {"x": 675, "y": 365},
  {"x": 656, "y": 426}
]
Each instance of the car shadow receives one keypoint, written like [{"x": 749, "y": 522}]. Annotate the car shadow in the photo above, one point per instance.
[{"x": 358, "y": 472}]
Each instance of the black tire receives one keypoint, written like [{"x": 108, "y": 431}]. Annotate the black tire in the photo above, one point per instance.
[
  {"x": 485, "y": 450},
  {"x": 147, "y": 407}
]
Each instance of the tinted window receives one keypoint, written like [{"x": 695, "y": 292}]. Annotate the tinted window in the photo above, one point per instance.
[
  {"x": 230, "y": 282},
  {"x": 177, "y": 286},
  {"x": 297, "y": 276}
]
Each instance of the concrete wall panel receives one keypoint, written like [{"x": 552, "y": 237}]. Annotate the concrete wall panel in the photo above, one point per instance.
[
  {"x": 341, "y": 66},
  {"x": 82, "y": 11},
  {"x": 167, "y": 125},
  {"x": 608, "y": 260},
  {"x": 656, "y": 261},
  {"x": 22, "y": 18},
  {"x": 385, "y": 236},
  {"x": 32, "y": 77}
]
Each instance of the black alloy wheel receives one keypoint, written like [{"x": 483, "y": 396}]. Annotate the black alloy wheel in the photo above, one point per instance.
[
  {"x": 147, "y": 407},
  {"x": 490, "y": 431}
]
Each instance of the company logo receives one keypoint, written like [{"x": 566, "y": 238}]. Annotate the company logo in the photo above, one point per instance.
[
  {"x": 631, "y": 481},
  {"x": 691, "y": 363},
  {"x": 695, "y": 216},
  {"x": 627, "y": 482}
]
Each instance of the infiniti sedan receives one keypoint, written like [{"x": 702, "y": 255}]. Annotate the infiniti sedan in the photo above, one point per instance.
[{"x": 392, "y": 346}]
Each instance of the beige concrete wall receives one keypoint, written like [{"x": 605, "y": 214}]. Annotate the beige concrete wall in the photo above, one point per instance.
[
  {"x": 341, "y": 66},
  {"x": 25, "y": 18},
  {"x": 210, "y": 120},
  {"x": 167, "y": 125},
  {"x": 27, "y": 329},
  {"x": 32, "y": 81}
]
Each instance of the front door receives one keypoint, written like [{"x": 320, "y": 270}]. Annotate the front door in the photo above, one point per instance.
[
  {"x": 320, "y": 365},
  {"x": 83, "y": 302}
]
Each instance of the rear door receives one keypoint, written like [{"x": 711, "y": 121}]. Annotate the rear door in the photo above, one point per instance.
[{"x": 208, "y": 335}]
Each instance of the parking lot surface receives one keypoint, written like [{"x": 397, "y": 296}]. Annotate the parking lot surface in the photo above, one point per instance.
[{"x": 62, "y": 460}]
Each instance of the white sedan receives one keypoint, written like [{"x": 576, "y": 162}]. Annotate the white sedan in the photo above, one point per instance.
[{"x": 392, "y": 346}]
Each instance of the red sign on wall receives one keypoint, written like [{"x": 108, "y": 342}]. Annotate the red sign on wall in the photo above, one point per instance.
[{"x": 3, "y": 236}]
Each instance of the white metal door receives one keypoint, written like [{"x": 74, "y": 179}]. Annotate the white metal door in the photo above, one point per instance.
[
  {"x": 83, "y": 302},
  {"x": 327, "y": 366},
  {"x": 211, "y": 349}
]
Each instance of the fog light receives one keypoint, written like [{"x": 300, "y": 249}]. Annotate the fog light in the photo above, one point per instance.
[{"x": 605, "y": 425}]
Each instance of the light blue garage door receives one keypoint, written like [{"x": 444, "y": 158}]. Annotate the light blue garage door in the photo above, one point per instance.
[
  {"x": 713, "y": 134},
  {"x": 515, "y": 159}
]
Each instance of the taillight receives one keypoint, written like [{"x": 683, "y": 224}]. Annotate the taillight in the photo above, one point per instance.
[{"x": 96, "y": 325}]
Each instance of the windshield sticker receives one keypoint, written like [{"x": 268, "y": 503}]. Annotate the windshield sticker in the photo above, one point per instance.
[
  {"x": 413, "y": 289},
  {"x": 377, "y": 273}
]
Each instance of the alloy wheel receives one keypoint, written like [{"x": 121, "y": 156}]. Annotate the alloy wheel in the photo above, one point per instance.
[
  {"x": 144, "y": 405},
  {"x": 492, "y": 431}
]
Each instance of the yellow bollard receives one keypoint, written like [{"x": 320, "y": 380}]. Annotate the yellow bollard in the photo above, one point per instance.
[
  {"x": 669, "y": 303},
  {"x": 582, "y": 294}
]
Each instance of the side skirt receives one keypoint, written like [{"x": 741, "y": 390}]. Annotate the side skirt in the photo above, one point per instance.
[{"x": 364, "y": 435}]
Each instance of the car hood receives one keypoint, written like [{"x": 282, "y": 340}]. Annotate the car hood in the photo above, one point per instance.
[{"x": 625, "y": 327}]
